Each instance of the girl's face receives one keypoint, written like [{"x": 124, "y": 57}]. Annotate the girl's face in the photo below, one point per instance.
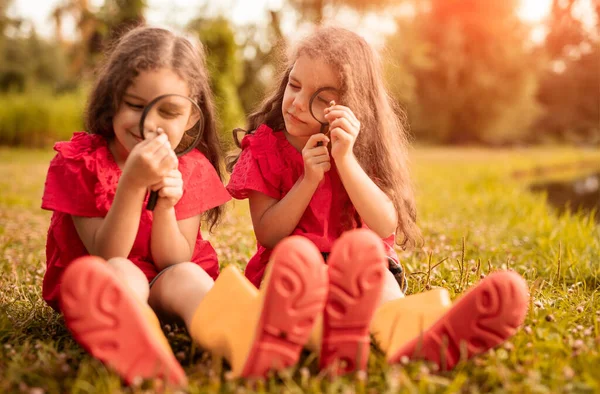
[
  {"x": 144, "y": 88},
  {"x": 306, "y": 77}
]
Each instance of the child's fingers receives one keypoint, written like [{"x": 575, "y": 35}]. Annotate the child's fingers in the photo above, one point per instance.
[
  {"x": 156, "y": 156},
  {"x": 156, "y": 144},
  {"x": 174, "y": 173},
  {"x": 319, "y": 159},
  {"x": 342, "y": 113},
  {"x": 332, "y": 116},
  {"x": 169, "y": 181},
  {"x": 317, "y": 151},
  {"x": 345, "y": 125},
  {"x": 167, "y": 159},
  {"x": 338, "y": 134},
  {"x": 173, "y": 179},
  {"x": 344, "y": 109},
  {"x": 170, "y": 192},
  {"x": 325, "y": 166},
  {"x": 315, "y": 139},
  {"x": 157, "y": 186}
]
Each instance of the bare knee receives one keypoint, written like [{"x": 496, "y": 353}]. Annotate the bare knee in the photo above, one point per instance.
[
  {"x": 187, "y": 275},
  {"x": 131, "y": 275},
  {"x": 179, "y": 290},
  {"x": 180, "y": 282},
  {"x": 391, "y": 289}
]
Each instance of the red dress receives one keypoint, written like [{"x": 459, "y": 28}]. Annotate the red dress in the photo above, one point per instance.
[
  {"x": 82, "y": 181},
  {"x": 269, "y": 164}
]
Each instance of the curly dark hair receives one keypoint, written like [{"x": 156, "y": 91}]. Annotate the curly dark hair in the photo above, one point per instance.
[
  {"x": 149, "y": 48},
  {"x": 382, "y": 145}
]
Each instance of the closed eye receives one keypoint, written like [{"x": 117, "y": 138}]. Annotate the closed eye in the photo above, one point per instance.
[
  {"x": 323, "y": 100},
  {"x": 134, "y": 106}
]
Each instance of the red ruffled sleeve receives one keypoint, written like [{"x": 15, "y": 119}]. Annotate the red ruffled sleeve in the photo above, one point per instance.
[
  {"x": 73, "y": 184},
  {"x": 259, "y": 167},
  {"x": 202, "y": 187}
]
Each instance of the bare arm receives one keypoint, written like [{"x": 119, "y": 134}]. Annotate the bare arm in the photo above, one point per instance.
[
  {"x": 173, "y": 241},
  {"x": 371, "y": 203},
  {"x": 113, "y": 235},
  {"x": 274, "y": 219}
]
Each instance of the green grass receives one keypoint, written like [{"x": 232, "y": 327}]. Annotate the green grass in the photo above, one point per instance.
[{"x": 468, "y": 199}]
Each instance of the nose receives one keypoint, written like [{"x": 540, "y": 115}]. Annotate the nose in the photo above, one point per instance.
[
  {"x": 300, "y": 101},
  {"x": 150, "y": 126}
]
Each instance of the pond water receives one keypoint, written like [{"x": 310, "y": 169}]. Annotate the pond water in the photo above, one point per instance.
[{"x": 581, "y": 193}]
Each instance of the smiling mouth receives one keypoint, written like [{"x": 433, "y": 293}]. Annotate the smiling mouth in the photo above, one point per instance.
[
  {"x": 295, "y": 118},
  {"x": 137, "y": 137}
]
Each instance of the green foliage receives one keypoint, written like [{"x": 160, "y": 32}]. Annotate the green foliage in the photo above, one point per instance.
[
  {"x": 570, "y": 79},
  {"x": 474, "y": 80},
  {"x": 28, "y": 62},
  {"x": 119, "y": 16},
  {"x": 473, "y": 213},
  {"x": 266, "y": 47},
  {"x": 39, "y": 118},
  {"x": 572, "y": 100},
  {"x": 466, "y": 70},
  {"x": 225, "y": 71}
]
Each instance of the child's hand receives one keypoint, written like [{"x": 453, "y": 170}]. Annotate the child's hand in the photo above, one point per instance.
[
  {"x": 344, "y": 129},
  {"x": 316, "y": 158},
  {"x": 150, "y": 161},
  {"x": 170, "y": 190}
]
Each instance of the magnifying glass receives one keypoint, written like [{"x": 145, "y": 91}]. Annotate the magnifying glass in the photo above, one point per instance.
[
  {"x": 322, "y": 99},
  {"x": 173, "y": 113}
]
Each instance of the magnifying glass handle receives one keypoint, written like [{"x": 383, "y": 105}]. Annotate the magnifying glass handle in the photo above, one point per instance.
[
  {"x": 322, "y": 131},
  {"x": 153, "y": 198},
  {"x": 152, "y": 201}
]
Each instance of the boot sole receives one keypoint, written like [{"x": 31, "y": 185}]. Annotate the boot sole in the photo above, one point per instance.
[
  {"x": 107, "y": 321},
  {"x": 483, "y": 318},
  {"x": 357, "y": 267},
  {"x": 294, "y": 297}
]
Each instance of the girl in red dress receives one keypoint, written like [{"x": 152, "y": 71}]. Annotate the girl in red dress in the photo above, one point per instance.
[
  {"x": 111, "y": 264},
  {"x": 300, "y": 181}
]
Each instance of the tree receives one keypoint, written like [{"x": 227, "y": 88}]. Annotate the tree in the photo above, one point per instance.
[
  {"x": 266, "y": 47},
  {"x": 570, "y": 87},
  {"x": 95, "y": 29},
  {"x": 84, "y": 52},
  {"x": 25, "y": 59},
  {"x": 224, "y": 69},
  {"x": 474, "y": 79},
  {"x": 30, "y": 62},
  {"x": 5, "y": 20},
  {"x": 122, "y": 15}
]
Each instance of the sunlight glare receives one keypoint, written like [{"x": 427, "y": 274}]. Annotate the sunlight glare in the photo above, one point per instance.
[{"x": 534, "y": 10}]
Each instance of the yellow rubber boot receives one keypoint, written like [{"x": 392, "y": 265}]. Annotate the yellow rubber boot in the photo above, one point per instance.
[
  {"x": 262, "y": 330},
  {"x": 219, "y": 320},
  {"x": 316, "y": 336},
  {"x": 397, "y": 322},
  {"x": 482, "y": 318}
]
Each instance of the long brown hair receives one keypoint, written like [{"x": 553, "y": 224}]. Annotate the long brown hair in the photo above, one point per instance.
[
  {"x": 382, "y": 144},
  {"x": 149, "y": 48}
]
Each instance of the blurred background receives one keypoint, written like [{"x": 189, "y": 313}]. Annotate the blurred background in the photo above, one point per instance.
[
  {"x": 484, "y": 72},
  {"x": 503, "y": 100}
]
